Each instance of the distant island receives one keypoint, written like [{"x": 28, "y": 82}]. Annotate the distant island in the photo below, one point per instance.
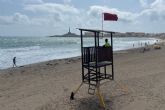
[
  {"x": 117, "y": 34},
  {"x": 69, "y": 34}
]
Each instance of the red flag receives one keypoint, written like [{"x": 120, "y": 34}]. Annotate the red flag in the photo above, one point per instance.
[{"x": 111, "y": 17}]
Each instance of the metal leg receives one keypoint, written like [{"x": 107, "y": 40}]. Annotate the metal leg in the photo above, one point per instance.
[
  {"x": 102, "y": 103},
  {"x": 112, "y": 72},
  {"x": 73, "y": 93},
  {"x": 99, "y": 73},
  {"x": 105, "y": 71}
]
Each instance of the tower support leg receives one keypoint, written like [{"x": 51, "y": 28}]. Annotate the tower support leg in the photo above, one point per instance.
[
  {"x": 102, "y": 103},
  {"x": 73, "y": 93}
]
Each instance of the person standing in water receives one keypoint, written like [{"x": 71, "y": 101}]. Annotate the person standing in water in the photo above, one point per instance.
[{"x": 14, "y": 62}]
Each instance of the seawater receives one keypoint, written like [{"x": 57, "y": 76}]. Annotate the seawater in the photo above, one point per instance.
[{"x": 28, "y": 50}]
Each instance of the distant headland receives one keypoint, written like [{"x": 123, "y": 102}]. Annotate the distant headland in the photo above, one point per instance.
[
  {"x": 117, "y": 34},
  {"x": 68, "y": 34}
]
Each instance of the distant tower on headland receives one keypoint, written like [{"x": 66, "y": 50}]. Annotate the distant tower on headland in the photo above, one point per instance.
[
  {"x": 68, "y": 34},
  {"x": 69, "y": 31}
]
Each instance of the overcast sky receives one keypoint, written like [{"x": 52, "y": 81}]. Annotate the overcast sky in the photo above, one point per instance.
[{"x": 49, "y": 17}]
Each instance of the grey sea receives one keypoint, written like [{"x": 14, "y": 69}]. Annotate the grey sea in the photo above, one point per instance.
[{"x": 28, "y": 50}]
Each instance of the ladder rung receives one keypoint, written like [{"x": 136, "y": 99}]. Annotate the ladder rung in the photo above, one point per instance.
[{"x": 91, "y": 89}]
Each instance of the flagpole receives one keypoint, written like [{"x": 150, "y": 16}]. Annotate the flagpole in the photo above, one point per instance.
[{"x": 102, "y": 23}]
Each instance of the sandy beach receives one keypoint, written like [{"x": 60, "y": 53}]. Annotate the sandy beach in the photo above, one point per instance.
[{"x": 47, "y": 85}]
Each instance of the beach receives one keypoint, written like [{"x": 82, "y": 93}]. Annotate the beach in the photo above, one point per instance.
[{"x": 138, "y": 85}]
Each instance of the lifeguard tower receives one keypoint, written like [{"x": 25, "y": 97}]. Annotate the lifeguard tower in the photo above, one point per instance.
[{"x": 95, "y": 60}]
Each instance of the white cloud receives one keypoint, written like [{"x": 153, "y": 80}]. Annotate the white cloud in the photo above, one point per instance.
[
  {"x": 20, "y": 18},
  {"x": 123, "y": 16},
  {"x": 39, "y": 21},
  {"x": 5, "y": 20},
  {"x": 158, "y": 4},
  {"x": 17, "y": 18},
  {"x": 67, "y": 1},
  {"x": 57, "y": 13},
  {"x": 144, "y": 3},
  {"x": 33, "y": 1},
  {"x": 52, "y": 8},
  {"x": 58, "y": 17},
  {"x": 156, "y": 10}
]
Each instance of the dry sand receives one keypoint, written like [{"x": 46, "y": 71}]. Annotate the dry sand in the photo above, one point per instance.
[{"x": 47, "y": 85}]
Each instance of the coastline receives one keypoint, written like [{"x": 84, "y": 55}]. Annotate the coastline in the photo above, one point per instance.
[
  {"x": 130, "y": 48},
  {"x": 44, "y": 49},
  {"x": 47, "y": 85}
]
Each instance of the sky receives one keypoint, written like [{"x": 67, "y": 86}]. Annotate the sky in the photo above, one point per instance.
[{"x": 50, "y": 17}]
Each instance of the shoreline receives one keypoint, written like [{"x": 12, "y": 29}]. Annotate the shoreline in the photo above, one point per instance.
[
  {"x": 67, "y": 59},
  {"x": 117, "y": 51},
  {"x": 49, "y": 55},
  {"x": 130, "y": 50}
]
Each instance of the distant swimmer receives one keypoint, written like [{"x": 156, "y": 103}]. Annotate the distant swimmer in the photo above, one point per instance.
[{"x": 14, "y": 62}]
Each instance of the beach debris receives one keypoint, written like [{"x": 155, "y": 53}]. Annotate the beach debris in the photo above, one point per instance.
[
  {"x": 156, "y": 46},
  {"x": 145, "y": 49},
  {"x": 49, "y": 64}
]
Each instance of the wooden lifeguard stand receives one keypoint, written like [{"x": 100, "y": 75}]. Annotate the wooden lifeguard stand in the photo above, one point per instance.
[{"x": 95, "y": 60}]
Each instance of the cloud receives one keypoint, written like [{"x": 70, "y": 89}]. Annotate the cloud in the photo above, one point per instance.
[
  {"x": 57, "y": 13},
  {"x": 17, "y": 18},
  {"x": 156, "y": 10},
  {"x": 33, "y": 1},
  {"x": 67, "y": 1},
  {"x": 96, "y": 11},
  {"x": 40, "y": 21},
  {"x": 61, "y": 16},
  {"x": 22, "y": 19},
  {"x": 5, "y": 20},
  {"x": 157, "y": 4},
  {"x": 52, "y": 8},
  {"x": 144, "y": 3}
]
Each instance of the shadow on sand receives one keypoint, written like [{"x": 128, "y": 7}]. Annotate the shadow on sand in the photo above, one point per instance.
[{"x": 91, "y": 103}]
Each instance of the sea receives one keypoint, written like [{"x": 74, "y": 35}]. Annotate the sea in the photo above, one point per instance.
[{"x": 29, "y": 50}]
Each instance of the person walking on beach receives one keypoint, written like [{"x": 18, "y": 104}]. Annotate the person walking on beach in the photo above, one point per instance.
[
  {"x": 106, "y": 43},
  {"x": 14, "y": 62}
]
